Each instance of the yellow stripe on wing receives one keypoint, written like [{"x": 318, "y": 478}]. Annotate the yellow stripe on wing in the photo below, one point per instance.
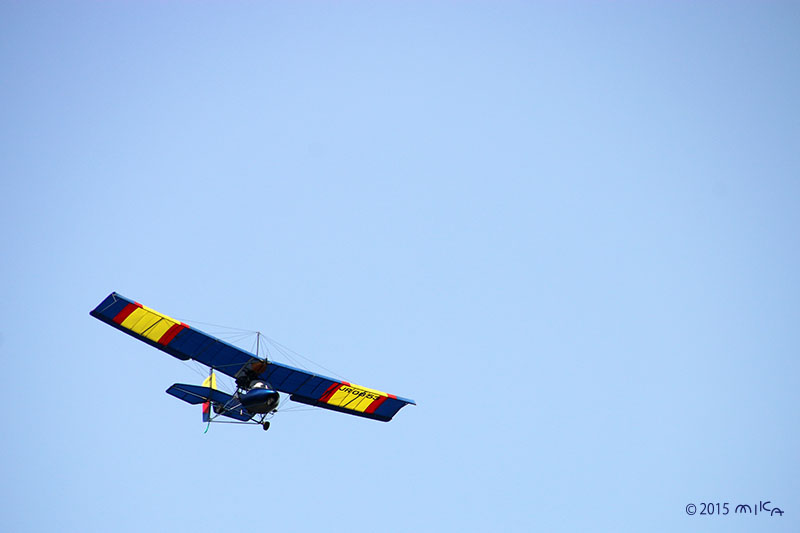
[{"x": 148, "y": 323}]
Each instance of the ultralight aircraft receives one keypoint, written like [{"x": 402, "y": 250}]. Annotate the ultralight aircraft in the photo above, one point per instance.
[{"x": 259, "y": 382}]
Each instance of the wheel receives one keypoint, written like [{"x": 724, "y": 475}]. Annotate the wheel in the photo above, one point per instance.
[{"x": 266, "y": 426}]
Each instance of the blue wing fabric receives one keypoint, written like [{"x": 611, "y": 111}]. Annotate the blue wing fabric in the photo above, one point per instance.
[{"x": 292, "y": 380}]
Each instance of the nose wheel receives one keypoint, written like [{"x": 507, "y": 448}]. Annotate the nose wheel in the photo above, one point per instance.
[{"x": 265, "y": 425}]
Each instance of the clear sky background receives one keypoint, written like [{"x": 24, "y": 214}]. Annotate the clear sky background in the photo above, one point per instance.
[{"x": 569, "y": 231}]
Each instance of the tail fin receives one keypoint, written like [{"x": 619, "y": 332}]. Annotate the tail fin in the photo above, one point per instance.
[{"x": 211, "y": 382}]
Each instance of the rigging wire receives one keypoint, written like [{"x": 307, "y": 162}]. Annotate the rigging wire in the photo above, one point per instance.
[
  {"x": 261, "y": 346},
  {"x": 239, "y": 335},
  {"x": 286, "y": 351}
]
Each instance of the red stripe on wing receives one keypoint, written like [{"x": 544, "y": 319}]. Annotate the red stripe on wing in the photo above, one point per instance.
[
  {"x": 375, "y": 404},
  {"x": 168, "y": 335},
  {"x": 331, "y": 390},
  {"x": 126, "y": 312}
]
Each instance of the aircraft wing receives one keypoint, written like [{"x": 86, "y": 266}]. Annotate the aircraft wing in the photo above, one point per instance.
[
  {"x": 184, "y": 342},
  {"x": 336, "y": 395},
  {"x": 170, "y": 335}
]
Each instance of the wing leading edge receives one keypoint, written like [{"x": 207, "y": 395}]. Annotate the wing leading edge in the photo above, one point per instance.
[{"x": 184, "y": 342}]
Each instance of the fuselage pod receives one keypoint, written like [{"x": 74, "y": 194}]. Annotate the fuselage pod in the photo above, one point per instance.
[{"x": 260, "y": 401}]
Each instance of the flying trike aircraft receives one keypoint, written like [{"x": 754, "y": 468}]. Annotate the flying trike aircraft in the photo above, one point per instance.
[{"x": 259, "y": 382}]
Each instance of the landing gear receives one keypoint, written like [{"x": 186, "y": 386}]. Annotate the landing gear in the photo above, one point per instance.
[{"x": 266, "y": 425}]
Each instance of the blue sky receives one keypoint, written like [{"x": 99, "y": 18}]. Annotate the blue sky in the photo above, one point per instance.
[{"x": 567, "y": 230}]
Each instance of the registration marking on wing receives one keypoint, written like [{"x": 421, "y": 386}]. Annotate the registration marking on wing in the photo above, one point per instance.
[{"x": 355, "y": 397}]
